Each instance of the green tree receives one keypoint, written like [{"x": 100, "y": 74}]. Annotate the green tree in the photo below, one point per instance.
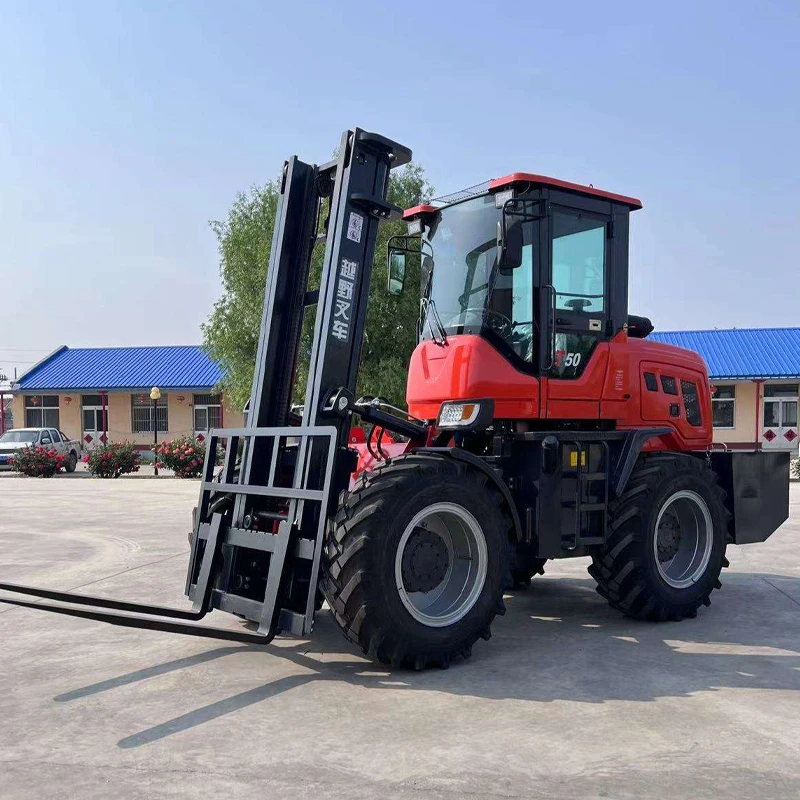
[{"x": 245, "y": 237}]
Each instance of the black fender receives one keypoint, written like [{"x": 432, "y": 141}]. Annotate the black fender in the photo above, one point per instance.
[
  {"x": 630, "y": 452},
  {"x": 479, "y": 464}
]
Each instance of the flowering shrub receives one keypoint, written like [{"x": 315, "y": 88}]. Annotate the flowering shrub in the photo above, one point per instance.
[
  {"x": 37, "y": 462},
  {"x": 184, "y": 456},
  {"x": 113, "y": 459}
]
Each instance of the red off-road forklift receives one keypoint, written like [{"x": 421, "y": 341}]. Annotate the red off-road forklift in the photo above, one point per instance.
[{"x": 541, "y": 424}]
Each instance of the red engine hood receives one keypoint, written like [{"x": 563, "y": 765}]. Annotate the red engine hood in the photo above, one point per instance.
[{"x": 468, "y": 367}]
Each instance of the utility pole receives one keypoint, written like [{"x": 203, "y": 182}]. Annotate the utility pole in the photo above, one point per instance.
[{"x": 3, "y": 381}]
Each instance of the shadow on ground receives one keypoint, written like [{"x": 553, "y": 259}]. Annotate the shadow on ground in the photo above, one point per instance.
[{"x": 559, "y": 641}]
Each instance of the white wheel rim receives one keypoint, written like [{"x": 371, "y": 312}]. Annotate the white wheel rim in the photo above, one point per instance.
[
  {"x": 461, "y": 536},
  {"x": 683, "y": 538}
]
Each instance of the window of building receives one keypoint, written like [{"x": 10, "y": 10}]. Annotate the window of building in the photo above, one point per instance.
[
  {"x": 723, "y": 407},
  {"x": 207, "y": 412},
  {"x": 780, "y": 405},
  {"x": 7, "y": 415},
  {"x": 142, "y": 413},
  {"x": 41, "y": 411},
  {"x": 781, "y": 390}
]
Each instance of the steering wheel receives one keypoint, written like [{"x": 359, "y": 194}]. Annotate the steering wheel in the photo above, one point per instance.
[
  {"x": 503, "y": 320},
  {"x": 578, "y": 304}
]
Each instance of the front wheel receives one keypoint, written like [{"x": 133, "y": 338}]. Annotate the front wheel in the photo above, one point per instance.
[
  {"x": 668, "y": 534},
  {"x": 415, "y": 563}
]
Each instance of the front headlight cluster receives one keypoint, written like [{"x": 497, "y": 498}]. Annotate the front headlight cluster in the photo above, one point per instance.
[{"x": 466, "y": 414}]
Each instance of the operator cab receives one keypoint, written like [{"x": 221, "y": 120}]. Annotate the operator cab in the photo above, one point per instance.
[{"x": 536, "y": 266}]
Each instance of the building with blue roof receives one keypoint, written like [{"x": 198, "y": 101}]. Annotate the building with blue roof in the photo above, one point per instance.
[
  {"x": 98, "y": 394},
  {"x": 755, "y": 374}
]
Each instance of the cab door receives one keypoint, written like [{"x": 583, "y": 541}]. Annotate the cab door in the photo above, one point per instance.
[{"x": 576, "y": 306}]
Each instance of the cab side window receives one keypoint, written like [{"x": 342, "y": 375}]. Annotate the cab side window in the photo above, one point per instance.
[
  {"x": 511, "y": 314},
  {"x": 579, "y": 244}
]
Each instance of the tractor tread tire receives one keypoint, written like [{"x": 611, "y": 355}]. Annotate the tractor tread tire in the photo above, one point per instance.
[
  {"x": 355, "y": 559},
  {"x": 623, "y": 571}
]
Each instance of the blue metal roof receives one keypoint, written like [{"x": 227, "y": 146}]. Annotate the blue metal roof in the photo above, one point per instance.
[
  {"x": 103, "y": 368},
  {"x": 742, "y": 352}
]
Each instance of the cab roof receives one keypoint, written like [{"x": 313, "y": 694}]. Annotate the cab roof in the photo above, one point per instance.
[
  {"x": 498, "y": 184},
  {"x": 543, "y": 180}
]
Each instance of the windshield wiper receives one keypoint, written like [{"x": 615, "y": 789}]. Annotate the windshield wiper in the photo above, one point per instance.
[{"x": 430, "y": 305}]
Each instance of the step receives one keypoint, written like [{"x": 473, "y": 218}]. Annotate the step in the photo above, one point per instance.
[
  {"x": 571, "y": 504},
  {"x": 586, "y": 476}
]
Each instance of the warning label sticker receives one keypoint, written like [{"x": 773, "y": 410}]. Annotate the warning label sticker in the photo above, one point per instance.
[{"x": 354, "y": 227}]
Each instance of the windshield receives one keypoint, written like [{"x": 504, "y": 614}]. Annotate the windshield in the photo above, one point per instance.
[
  {"x": 14, "y": 437},
  {"x": 469, "y": 293}
]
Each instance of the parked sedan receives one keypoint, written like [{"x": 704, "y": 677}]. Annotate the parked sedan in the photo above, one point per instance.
[{"x": 17, "y": 439}]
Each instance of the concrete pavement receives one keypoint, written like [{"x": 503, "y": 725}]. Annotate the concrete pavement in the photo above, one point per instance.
[{"x": 568, "y": 699}]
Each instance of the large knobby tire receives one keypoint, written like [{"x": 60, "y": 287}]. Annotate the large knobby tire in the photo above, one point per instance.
[
  {"x": 667, "y": 538},
  {"x": 72, "y": 462},
  {"x": 416, "y": 561}
]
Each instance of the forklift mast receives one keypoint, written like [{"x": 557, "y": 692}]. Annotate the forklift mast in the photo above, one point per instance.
[{"x": 290, "y": 477}]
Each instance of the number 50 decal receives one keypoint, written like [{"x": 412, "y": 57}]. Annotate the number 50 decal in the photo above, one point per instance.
[{"x": 567, "y": 359}]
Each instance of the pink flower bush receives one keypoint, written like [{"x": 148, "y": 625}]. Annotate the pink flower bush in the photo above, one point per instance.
[
  {"x": 184, "y": 456},
  {"x": 113, "y": 459},
  {"x": 37, "y": 462}
]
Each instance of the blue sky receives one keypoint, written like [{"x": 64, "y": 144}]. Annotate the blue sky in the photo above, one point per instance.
[{"x": 125, "y": 127}]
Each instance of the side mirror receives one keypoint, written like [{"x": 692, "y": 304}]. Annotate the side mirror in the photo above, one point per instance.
[
  {"x": 46, "y": 440},
  {"x": 397, "y": 272},
  {"x": 509, "y": 248}
]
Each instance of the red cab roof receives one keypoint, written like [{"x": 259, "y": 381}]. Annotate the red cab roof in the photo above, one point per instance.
[{"x": 543, "y": 180}]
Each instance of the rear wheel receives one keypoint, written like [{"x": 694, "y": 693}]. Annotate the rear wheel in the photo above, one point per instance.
[
  {"x": 72, "y": 462},
  {"x": 415, "y": 562},
  {"x": 668, "y": 534}
]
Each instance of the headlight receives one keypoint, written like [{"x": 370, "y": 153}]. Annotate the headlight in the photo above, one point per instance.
[
  {"x": 415, "y": 227},
  {"x": 468, "y": 414}
]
